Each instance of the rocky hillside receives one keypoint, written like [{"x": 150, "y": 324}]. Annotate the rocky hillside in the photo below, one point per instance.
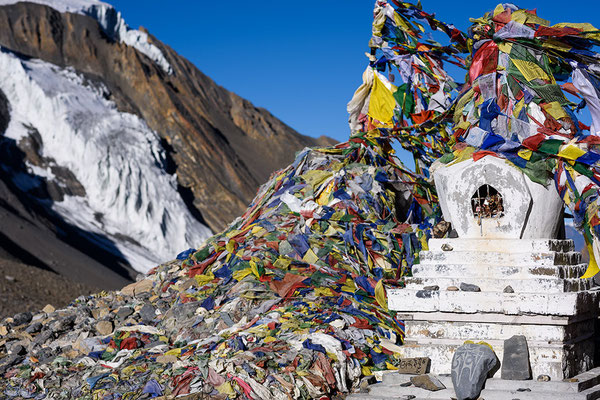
[{"x": 114, "y": 135}]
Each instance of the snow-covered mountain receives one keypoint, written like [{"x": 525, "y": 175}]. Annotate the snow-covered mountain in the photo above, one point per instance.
[
  {"x": 112, "y": 24},
  {"x": 116, "y": 158},
  {"x": 116, "y": 145}
]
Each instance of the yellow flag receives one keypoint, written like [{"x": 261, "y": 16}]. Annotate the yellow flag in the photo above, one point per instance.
[
  {"x": 570, "y": 152},
  {"x": 525, "y": 154},
  {"x": 555, "y": 109},
  {"x": 310, "y": 257},
  {"x": 592, "y": 268},
  {"x": 382, "y": 104},
  {"x": 522, "y": 17},
  {"x": 380, "y": 295},
  {"x": 205, "y": 278},
  {"x": 584, "y": 26},
  {"x": 531, "y": 70}
]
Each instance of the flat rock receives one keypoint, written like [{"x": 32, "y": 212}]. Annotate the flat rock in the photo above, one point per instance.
[
  {"x": 137, "y": 288},
  {"x": 469, "y": 287},
  {"x": 48, "y": 309},
  {"x": 544, "y": 378},
  {"x": 471, "y": 365},
  {"x": 104, "y": 328},
  {"x": 416, "y": 366},
  {"x": 165, "y": 359},
  {"x": 515, "y": 362},
  {"x": 124, "y": 312},
  {"x": 22, "y": 318},
  {"x": 427, "y": 382},
  {"x": 147, "y": 312}
]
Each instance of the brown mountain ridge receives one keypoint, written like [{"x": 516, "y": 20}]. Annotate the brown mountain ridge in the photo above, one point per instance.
[{"x": 221, "y": 146}]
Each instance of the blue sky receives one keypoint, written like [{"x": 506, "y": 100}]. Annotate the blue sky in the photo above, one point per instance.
[{"x": 301, "y": 60}]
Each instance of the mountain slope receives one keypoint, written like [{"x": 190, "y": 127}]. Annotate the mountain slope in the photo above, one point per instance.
[
  {"x": 223, "y": 147},
  {"x": 113, "y": 137}
]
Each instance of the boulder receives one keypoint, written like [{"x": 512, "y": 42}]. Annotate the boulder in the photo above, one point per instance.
[
  {"x": 427, "y": 382},
  {"x": 471, "y": 365},
  {"x": 515, "y": 362}
]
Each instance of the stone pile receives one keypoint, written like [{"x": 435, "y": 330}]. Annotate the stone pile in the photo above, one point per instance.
[{"x": 288, "y": 302}]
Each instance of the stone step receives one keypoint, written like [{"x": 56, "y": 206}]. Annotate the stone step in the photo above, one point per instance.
[
  {"x": 585, "y": 381},
  {"x": 429, "y": 270},
  {"x": 568, "y": 303},
  {"x": 500, "y": 258},
  {"x": 585, "y": 386},
  {"x": 478, "y": 330},
  {"x": 544, "y": 284},
  {"x": 447, "y": 394},
  {"x": 504, "y": 245}
]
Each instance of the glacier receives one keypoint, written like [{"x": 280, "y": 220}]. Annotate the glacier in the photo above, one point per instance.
[
  {"x": 112, "y": 23},
  {"x": 130, "y": 196}
]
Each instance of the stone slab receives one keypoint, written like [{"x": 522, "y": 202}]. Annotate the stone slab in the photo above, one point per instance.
[
  {"x": 547, "y": 284},
  {"x": 570, "y": 303},
  {"x": 515, "y": 359},
  {"x": 503, "y": 245},
  {"x": 499, "y": 258},
  {"x": 498, "y": 271},
  {"x": 495, "y": 389},
  {"x": 414, "y": 366},
  {"x": 419, "y": 329}
]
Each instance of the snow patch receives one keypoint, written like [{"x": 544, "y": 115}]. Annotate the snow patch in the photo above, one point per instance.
[
  {"x": 111, "y": 22},
  {"x": 118, "y": 159}
]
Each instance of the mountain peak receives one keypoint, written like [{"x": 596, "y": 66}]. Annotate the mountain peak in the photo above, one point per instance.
[{"x": 111, "y": 22}]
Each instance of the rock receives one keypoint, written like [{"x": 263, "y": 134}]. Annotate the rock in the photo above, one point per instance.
[
  {"x": 432, "y": 287},
  {"x": 447, "y": 247},
  {"x": 100, "y": 312},
  {"x": 62, "y": 324},
  {"x": 468, "y": 287},
  {"x": 166, "y": 359},
  {"x": 364, "y": 384},
  {"x": 48, "y": 309},
  {"x": 147, "y": 312},
  {"x": 124, "y": 312},
  {"x": 43, "y": 337},
  {"x": 452, "y": 289},
  {"x": 104, "y": 328},
  {"x": 515, "y": 362},
  {"x": 453, "y": 234},
  {"x": 137, "y": 288},
  {"x": 508, "y": 289},
  {"x": 416, "y": 366},
  {"x": 34, "y": 327},
  {"x": 424, "y": 294},
  {"x": 471, "y": 365},
  {"x": 523, "y": 390},
  {"x": 9, "y": 278},
  {"x": 427, "y": 382},
  {"x": 9, "y": 361},
  {"x": 440, "y": 230},
  {"x": 22, "y": 318},
  {"x": 544, "y": 378},
  {"x": 18, "y": 350},
  {"x": 3, "y": 330},
  {"x": 408, "y": 397}
]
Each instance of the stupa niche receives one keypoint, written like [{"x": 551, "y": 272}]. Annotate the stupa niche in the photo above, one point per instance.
[{"x": 527, "y": 210}]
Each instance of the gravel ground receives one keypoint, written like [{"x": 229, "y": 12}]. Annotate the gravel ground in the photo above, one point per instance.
[{"x": 27, "y": 288}]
